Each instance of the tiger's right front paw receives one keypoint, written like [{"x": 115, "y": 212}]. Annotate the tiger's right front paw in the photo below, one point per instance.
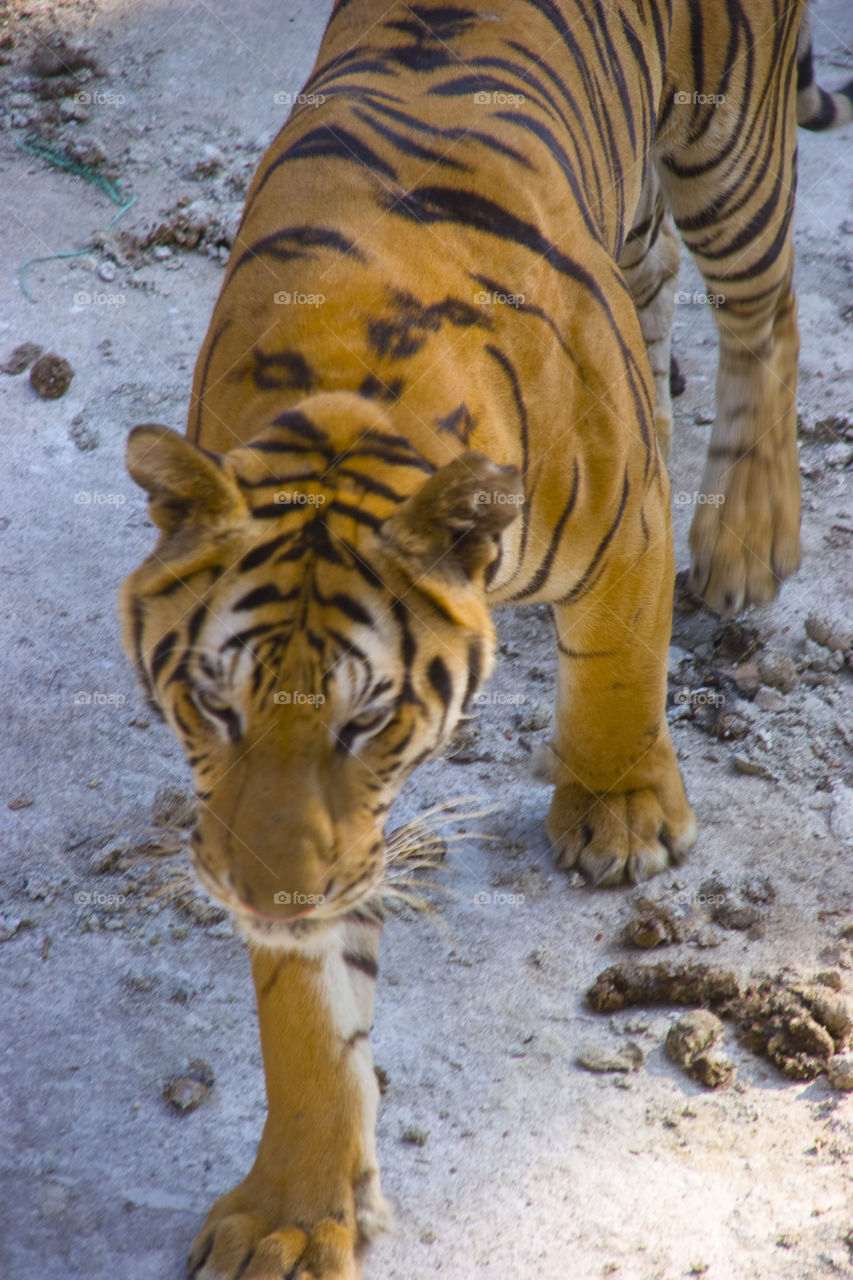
[{"x": 251, "y": 1233}]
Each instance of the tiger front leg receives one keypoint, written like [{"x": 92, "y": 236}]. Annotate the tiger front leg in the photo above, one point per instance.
[
  {"x": 619, "y": 810},
  {"x": 312, "y": 1199}
]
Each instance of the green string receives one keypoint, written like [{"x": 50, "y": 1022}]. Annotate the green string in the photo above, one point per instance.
[{"x": 62, "y": 160}]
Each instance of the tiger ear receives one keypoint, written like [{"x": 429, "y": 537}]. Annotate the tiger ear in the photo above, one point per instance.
[
  {"x": 186, "y": 485},
  {"x": 451, "y": 526}
]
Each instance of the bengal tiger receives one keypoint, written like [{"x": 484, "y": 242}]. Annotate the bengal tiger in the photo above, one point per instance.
[{"x": 436, "y": 379}]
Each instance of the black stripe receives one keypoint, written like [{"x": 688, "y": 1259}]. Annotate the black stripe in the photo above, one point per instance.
[
  {"x": 540, "y": 576},
  {"x": 162, "y": 653},
  {"x": 263, "y": 551},
  {"x": 585, "y": 583},
  {"x": 364, "y": 964},
  {"x": 260, "y": 596},
  {"x": 440, "y": 679}
]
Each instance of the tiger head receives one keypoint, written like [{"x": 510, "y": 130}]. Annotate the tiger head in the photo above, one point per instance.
[{"x": 308, "y": 658}]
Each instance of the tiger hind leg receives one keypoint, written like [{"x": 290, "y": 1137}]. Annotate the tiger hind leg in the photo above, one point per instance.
[
  {"x": 649, "y": 263},
  {"x": 731, "y": 190}
]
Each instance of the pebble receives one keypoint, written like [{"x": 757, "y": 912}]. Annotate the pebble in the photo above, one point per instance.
[
  {"x": 107, "y": 269},
  {"x": 747, "y": 679},
  {"x": 173, "y": 807},
  {"x": 161, "y": 252},
  {"x": 651, "y": 925},
  {"x": 754, "y": 768},
  {"x": 841, "y": 815},
  {"x": 834, "y": 636},
  {"x": 21, "y": 358},
  {"x": 839, "y": 1068},
  {"x": 189, "y": 1090},
  {"x": 210, "y": 161},
  {"x": 20, "y": 802},
  {"x": 675, "y": 658},
  {"x": 601, "y": 1058},
  {"x": 50, "y": 376},
  {"x": 839, "y": 455},
  {"x": 770, "y": 700},
  {"x": 9, "y": 926},
  {"x": 537, "y": 716},
  {"x": 414, "y": 1137},
  {"x": 778, "y": 670}
]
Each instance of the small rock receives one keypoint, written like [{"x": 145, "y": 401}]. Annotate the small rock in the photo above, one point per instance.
[
  {"x": 161, "y": 252},
  {"x": 839, "y": 1068},
  {"x": 745, "y": 764},
  {"x": 21, "y": 358},
  {"x": 675, "y": 658},
  {"x": 778, "y": 670},
  {"x": 173, "y": 807},
  {"x": 747, "y": 679},
  {"x": 9, "y": 926},
  {"x": 53, "y": 57},
  {"x": 536, "y": 716},
  {"x": 729, "y": 724},
  {"x": 414, "y": 1137},
  {"x": 839, "y": 455},
  {"x": 107, "y": 269},
  {"x": 770, "y": 700},
  {"x": 189, "y": 1090},
  {"x": 834, "y": 636},
  {"x": 50, "y": 376},
  {"x": 20, "y": 802},
  {"x": 209, "y": 162},
  {"x": 651, "y": 925},
  {"x": 829, "y": 978},
  {"x": 382, "y": 1078},
  {"x": 841, "y": 814},
  {"x": 602, "y": 1058}
]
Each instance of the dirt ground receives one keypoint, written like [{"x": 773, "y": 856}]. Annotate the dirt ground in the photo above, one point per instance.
[{"x": 503, "y": 1157}]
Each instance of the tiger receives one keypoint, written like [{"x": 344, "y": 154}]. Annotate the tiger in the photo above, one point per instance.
[{"x": 436, "y": 379}]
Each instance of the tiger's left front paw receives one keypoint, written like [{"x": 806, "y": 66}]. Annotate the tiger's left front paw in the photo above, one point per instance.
[{"x": 617, "y": 836}]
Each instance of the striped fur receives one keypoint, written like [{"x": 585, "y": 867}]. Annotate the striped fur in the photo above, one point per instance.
[{"x": 436, "y": 379}]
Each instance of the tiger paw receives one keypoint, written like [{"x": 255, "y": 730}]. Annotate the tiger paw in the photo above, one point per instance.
[
  {"x": 247, "y": 1235},
  {"x": 746, "y": 537},
  {"x": 619, "y": 836}
]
